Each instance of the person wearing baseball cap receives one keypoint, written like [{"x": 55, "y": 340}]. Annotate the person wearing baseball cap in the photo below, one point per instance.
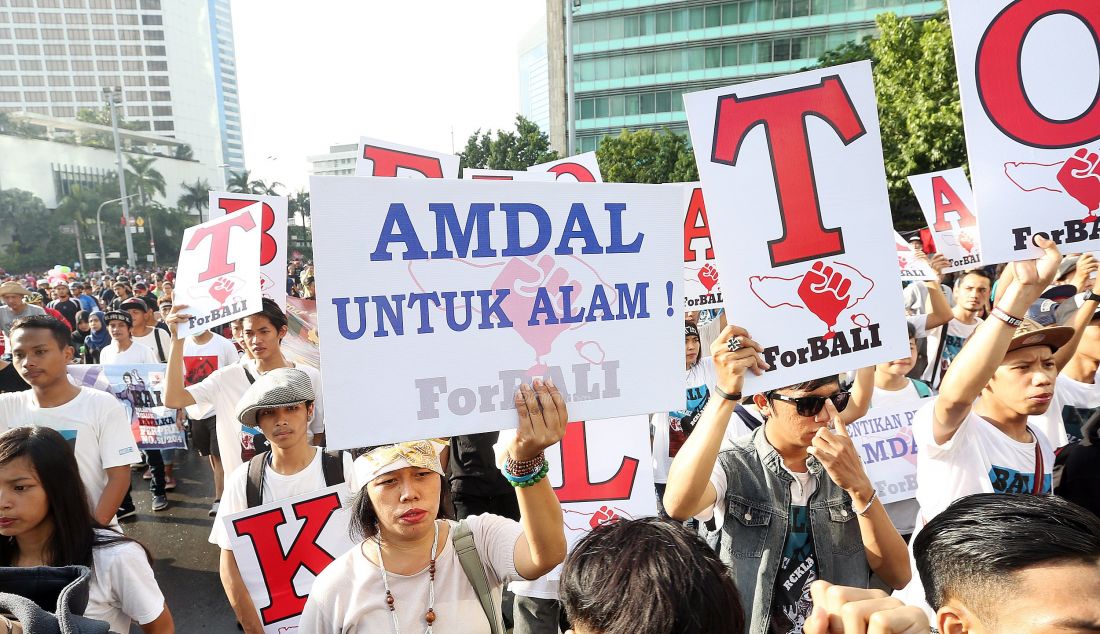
[
  {"x": 280, "y": 403},
  {"x": 15, "y": 307},
  {"x": 123, "y": 348}
]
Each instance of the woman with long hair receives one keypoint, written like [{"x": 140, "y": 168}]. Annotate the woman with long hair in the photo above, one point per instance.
[
  {"x": 47, "y": 522},
  {"x": 98, "y": 337},
  {"x": 407, "y": 574}
]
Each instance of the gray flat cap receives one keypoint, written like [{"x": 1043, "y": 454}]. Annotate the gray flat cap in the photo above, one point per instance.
[{"x": 277, "y": 388}]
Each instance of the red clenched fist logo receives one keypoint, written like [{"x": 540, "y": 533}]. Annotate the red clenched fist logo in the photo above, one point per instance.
[
  {"x": 966, "y": 242},
  {"x": 708, "y": 275},
  {"x": 222, "y": 288},
  {"x": 1080, "y": 176},
  {"x": 604, "y": 516},
  {"x": 825, "y": 293}
]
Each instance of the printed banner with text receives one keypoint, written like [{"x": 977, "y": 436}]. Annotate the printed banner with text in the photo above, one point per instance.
[
  {"x": 467, "y": 289},
  {"x": 800, "y": 219},
  {"x": 273, "y": 248},
  {"x": 948, "y": 206},
  {"x": 702, "y": 288},
  {"x": 884, "y": 441},
  {"x": 382, "y": 158},
  {"x": 1028, "y": 73},
  {"x": 140, "y": 390},
  {"x": 218, "y": 276},
  {"x": 281, "y": 547}
]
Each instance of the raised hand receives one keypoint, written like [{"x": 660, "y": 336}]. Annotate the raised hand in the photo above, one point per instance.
[
  {"x": 731, "y": 365},
  {"x": 542, "y": 419},
  {"x": 524, "y": 277},
  {"x": 177, "y": 315},
  {"x": 826, "y": 293},
  {"x": 222, "y": 289},
  {"x": 1080, "y": 176},
  {"x": 843, "y": 610},
  {"x": 1036, "y": 275},
  {"x": 837, "y": 454}
]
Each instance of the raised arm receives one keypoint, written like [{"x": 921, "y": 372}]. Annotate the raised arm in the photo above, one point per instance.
[
  {"x": 1080, "y": 321},
  {"x": 175, "y": 395},
  {"x": 862, "y": 390},
  {"x": 939, "y": 311},
  {"x": 975, "y": 364},
  {"x": 689, "y": 490}
]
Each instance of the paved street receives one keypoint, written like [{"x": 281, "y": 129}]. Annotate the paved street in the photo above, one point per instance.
[{"x": 186, "y": 564}]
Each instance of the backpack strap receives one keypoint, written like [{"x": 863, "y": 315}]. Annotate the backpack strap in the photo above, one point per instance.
[
  {"x": 463, "y": 541},
  {"x": 253, "y": 486},
  {"x": 160, "y": 346},
  {"x": 921, "y": 387},
  {"x": 332, "y": 464},
  {"x": 248, "y": 374},
  {"x": 939, "y": 355}
]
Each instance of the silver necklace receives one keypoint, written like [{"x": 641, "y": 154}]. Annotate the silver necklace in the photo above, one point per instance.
[{"x": 429, "y": 616}]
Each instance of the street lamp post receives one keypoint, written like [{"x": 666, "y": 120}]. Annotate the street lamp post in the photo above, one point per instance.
[
  {"x": 114, "y": 98},
  {"x": 99, "y": 226},
  {"x": 571, "y": 115}
]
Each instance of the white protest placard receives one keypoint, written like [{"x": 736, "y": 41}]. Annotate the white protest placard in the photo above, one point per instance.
[
  {"x": 218, "y": 276},
  {"x": 139, "y": 388},
  {"x": 468, "y": 289},
  {"x": 948, "y": 206},
  {"x": 1032, "y": 121},
  {"x": 799, "y": 216},
  {"x": 281, "y": 547},
  {"x": 702, "y": 288},
  {"x": 582, "y": 168},
  {"x": 382, "y": 158},
  {"x": 273, "y": 249},
  {"x": 471, "y": 173},
  {"x": 884, "y": 440},
  {"x": 912, "y": 267},
  {"x": 601, "y": 472}
]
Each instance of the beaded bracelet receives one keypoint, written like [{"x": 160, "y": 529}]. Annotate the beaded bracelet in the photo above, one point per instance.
[
  {"x": 520, "y": 468},
  {"x": 532, "y": 480},
  {"x": 511, "y": 477}
]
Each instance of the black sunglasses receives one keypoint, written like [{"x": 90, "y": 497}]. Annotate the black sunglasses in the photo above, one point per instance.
[{"x": 811, "y": 405}]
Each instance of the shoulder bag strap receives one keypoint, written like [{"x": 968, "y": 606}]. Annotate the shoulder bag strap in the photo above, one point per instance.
[
  {"x": 160, "y": 347},
  {"x": 1037, "y": 485},
  {"x": 248, "y": 374},
  {"x": 939, "y": 355},
  {"x": 332, "y": 464},
  {"x": 253, "y": 486},
  {"x": 464, "y": 546}
]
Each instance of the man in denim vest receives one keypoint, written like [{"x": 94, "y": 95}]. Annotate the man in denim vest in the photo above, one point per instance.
[{"x": 791, "y": 503}]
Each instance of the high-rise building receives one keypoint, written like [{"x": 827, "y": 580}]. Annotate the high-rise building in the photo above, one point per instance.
[
  {"x": 634, "y": 59},
  {"x": 534, "y": 79},
  {"x": 173, "y": 60}
]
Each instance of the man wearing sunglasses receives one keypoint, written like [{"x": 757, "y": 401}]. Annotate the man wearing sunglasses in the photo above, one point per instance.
[{"x": 788, "y": 504}]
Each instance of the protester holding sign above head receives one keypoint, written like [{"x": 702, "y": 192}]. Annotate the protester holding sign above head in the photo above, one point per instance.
[
  {"x": 47, "y": 522},
  {"x": 792, "y": 501},
  {"x": 415, "y": 568}
]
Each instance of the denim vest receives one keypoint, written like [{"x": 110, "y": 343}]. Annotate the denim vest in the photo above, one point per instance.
[{"x": 752, "y": 537}]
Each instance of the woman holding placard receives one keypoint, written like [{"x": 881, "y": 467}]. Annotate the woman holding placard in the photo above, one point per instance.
[{"x": 415, "y": 569}]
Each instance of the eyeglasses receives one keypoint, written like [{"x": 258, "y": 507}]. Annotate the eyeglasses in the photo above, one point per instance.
[{"x": 811, "y": 405}]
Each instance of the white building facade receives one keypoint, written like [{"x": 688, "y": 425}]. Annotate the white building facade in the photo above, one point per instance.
[{"x": 339, "y": 161}]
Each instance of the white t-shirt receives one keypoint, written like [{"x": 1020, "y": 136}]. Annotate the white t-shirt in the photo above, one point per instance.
[
  {"x": 137, "y": 353},
  {"x": 150, "y": 340},
  {"x": 891, "y": 398},
  {"x": 668, "y": 435},
  {"x": 123, "y": 588},
  {"x": 1067, "y": 393},
  {"x": 224, "y": 388},
  {"x": 957, "y": 334},
  {"x": 202, "y": 360},
  {"x": 94, "y": 423},
  {"x": 276, "y": 486},
  {"x": 920, "y": 325},
  {"x": 349, "y": 596}
]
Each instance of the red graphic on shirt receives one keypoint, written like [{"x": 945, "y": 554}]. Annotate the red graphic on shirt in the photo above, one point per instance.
[{"x": 198, "y": 368}]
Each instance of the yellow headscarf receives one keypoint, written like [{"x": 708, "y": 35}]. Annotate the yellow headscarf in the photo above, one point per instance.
[{"x": 388, "y": 458}]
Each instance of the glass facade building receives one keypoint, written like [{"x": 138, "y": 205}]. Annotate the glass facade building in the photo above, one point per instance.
[{"x": 634, "y": 59}]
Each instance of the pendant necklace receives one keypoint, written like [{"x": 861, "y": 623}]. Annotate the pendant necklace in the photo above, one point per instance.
[{"x": 429, "y": 616}]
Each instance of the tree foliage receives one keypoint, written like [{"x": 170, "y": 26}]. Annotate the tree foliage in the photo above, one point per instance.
[
  {"x": 242, "y": 183},
  {"x": 143, "y": 179},
  {"x": 518, "y": 150},
  {"x": 646, "y": 156},
  {"x": 36, "y": 243},
  {"x": 102, "y": 116},
  {"x": 195, "y": 196}
]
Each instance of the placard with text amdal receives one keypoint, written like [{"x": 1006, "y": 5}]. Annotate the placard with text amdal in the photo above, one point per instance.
[
  {"x": 796, "y": 198},
  {"x": 444, "y": 296},
  {"x": 1028, "y": 74}
]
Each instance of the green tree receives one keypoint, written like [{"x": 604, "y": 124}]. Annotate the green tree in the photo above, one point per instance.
[
  {"x": 518, "y": 150},
  {"x": 102, "y": 116},
  {"x": 646, "y": 156},
  {"x": 298, "y": 203},
  {"x": 34, "y": 242},
  {"x": 143, "y": 179},
  {"x": 242, "y": 183},
  {"x": 195, "y": 196},
  {"x": 184, "y": 153}
]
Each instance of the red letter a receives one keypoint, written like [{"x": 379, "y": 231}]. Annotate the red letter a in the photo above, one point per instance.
[
  {"x": 946, "y": 200},
  {"x": 693, "y": 229}
]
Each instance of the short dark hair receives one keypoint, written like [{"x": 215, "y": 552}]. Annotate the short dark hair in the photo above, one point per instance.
[
  {"x": 364, "y": 519},
  {"x": 978, "y": 272},
  {"x": 971, "y": 549},
  {"x": 61, "y": 333},
  {"x": 649, "y": 576},
  {"x": 808, "y": 386},
  {"x": 271, "y": 311},
  {"x": 912, "y": 330}
]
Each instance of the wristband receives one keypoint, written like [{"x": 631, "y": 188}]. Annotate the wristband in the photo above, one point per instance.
[
  {"x": 531, "y": 480},
  {"x": 736, "y": 396},
  {"x": 1091, "y": 297},
  {"x": 520, "y": 468},
  {"x": 1015, "y": 322},
  {"x": 870, "y": 503}
]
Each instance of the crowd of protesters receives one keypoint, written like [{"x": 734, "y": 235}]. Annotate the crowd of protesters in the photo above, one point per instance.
[{"x": 768, "y": 520}]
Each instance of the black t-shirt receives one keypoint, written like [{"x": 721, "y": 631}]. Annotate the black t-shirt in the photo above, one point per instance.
[
  {"x": 10, "y": 381},
  {"x": 791, "y": 603},
  {"x": 68, "y": 308},
  {"x": 472, "y": 468}
]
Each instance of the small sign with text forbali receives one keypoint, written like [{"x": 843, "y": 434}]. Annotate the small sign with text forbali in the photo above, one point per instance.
[
  {"x": 382, "y": 158},
  {"x": 273, "y": 249},
  {"x": 495, "y": 283},
  {"x": 800, "y": 220},
  {"x": 281, "y": 547},
  {"x": 702, "y": 287},
  {"x": 948, "y": 206},
  {"x": 218, "y": 276},
  {"x": 912, "y": 267},
  {"x": 1028, "y": 75}
]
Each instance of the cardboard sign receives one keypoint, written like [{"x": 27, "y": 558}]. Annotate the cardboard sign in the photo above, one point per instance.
[
  {"x": 273, "y": 249},
  {"x": 884, "y": 441},
  {"x": 300, "y": 343},
  {"x": 468, "y": 289},
  {"x": 948, "y": 206},
  {"x": 600, "y": 472},
  {"x": 912, "y": 267},
  {"x": 800, "y": 219},
  {"x": 140, "y": 390},
  {"x": 475, "y": 174},
  {"x": 581, "y": 168},
  {"x": 702, "y": 289},
  {"x": 1032, "y": 121},
  {"x": 382, "y": 158},
  {"x": 218, "y": 276},
  {"x": 282, "y": 546}
]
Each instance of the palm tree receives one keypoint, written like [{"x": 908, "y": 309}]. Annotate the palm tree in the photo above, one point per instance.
[
  {"x": 79, "y": 204},
  {"x": 241, "y": 183},
  {"x": 195, "y": 196},
  {"x": 145, "y": 180},
  {"x": 298, "y": 204}
]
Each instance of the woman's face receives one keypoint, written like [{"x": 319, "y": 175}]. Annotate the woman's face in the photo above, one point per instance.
[
  {"x": 406, "y": 501},
  {"x": 95, "y": 324},
  {"x": 23, "y": 502}
]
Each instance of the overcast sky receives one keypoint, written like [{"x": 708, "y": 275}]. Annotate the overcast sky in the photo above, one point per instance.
[{"x": 325, "y": 72}]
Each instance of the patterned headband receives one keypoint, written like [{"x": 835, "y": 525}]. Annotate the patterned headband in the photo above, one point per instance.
[{"x": 388, "y": 458}]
